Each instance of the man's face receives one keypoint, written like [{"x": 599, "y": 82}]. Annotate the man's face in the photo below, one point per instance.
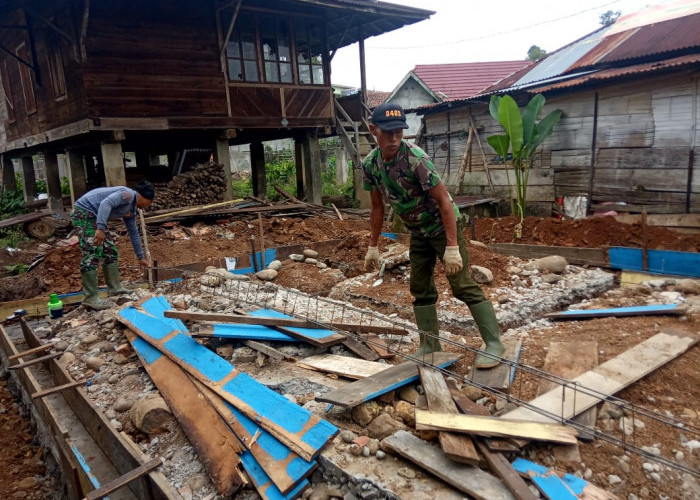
[
  {"x": 142, "y": 202},
  {"x": 388, "y": 141}
]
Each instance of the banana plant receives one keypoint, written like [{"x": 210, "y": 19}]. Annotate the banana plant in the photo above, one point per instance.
[{"x": 523, "y": 135}]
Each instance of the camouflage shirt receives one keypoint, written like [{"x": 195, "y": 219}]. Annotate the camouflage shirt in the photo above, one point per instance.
[{"x": 404, "y": 183}]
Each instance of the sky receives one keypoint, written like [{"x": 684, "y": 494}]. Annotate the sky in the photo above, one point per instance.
[{"x": 463, "y": 31}]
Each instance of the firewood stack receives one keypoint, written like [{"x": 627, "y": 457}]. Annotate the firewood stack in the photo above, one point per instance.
[{"x": 204, "y": 184}]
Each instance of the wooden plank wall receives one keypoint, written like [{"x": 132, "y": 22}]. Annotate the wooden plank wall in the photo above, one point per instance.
[{"x": 646, "y": 131}]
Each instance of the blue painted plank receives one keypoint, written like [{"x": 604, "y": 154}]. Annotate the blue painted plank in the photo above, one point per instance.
[
  {"x": 314, "y": 333},
  {"x": 636, "y": 310},
  {"x": 262, "y": 482},
  {"x": 270, "y": 255},
  {"x": 249, "y": 332},
  {"x": 658, "y": 261},
  {"x": 86, "y": 468},
  {"x": 295, "y": 426},
  {"x": 156, "y": 305},
  {"x": 551, "y": 485}
]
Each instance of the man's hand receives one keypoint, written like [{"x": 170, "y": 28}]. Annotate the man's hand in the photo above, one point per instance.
[
  {"x": 452, "y": 260},
  {"x": 372, "y": 259},
  {"x": 143, "y": 262},
  {"x": 99, "y": 238}
]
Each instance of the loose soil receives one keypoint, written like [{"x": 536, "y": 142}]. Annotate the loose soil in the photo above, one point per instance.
[{"x": 670, "y": 390}]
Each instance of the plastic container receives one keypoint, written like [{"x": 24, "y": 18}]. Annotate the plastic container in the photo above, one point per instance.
[{"x": 55, "y": 306}]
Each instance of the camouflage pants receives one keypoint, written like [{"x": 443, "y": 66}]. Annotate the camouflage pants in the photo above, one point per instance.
[{"x": 86, "y": 224}]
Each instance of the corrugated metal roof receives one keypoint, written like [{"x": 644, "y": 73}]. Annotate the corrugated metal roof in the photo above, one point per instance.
[
  {"x": 461, "y": 80},
  {"x": 374, "y": 98}
]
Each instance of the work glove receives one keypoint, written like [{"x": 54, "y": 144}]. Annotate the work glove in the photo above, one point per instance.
[
  {"x": 452, "y": 260},
  {"x": 372, "y": 259}
]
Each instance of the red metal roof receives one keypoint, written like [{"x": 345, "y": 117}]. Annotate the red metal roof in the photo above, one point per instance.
[
  {"x": 671, "y": 36},
  {"x": 375, "y": 97},
  {"x": 462, "y": 80}
]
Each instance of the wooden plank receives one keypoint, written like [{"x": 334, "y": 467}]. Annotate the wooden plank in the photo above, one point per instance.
[
  {"x": 581, "y": 256},
  {"x": 664, "y": 220},
  {"x": 459, "y": 448},
  {"x": 243, "y": 332},
  {"x": 499, "y": 377},
  {"x": 379, "y": 345},
  {"x": 558, "y": 485},
  {"x": 617, "y": 312},
  {"x": 495, "y": 426},
  {"x": 607, "y": 378},
  {"x": 387, "y": 380},
  {"x": 360, "y": 349},
  {"x": 568, "y": 360},
  {"x": 28, "y": 352},
  {"x": 35, "y": 361},
  {"x": 342, "y": 365},
  {"x": 216, "y": 446},
  {"x": 299, "y": 429},
  {"x": 122, "y": 481},
  {"x": 504, "y": 470},
  {"x": 284, "y": 468},
  {"x": 53, "y": 390},
  {"x": 269, "y": 351},
  {"x": 315, "y": 336},
  {"x": 467, "y": 478}
]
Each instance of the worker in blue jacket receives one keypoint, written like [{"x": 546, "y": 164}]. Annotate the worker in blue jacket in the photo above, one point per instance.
[{"x": 90, "y": 215}]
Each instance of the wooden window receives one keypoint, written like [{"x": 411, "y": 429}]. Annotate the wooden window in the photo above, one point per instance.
[
  {"x": 7, "y": 92},
  {"x": 25, "y": 75},
  {"x": 241, "y": 53},
  {"x": 309, "y": 59},
  {"x": 277, "y": 56},
  {"x": 55, "y": 64}
]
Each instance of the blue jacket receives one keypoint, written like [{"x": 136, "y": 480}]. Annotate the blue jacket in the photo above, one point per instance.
[{"x": 114, "y": 203}]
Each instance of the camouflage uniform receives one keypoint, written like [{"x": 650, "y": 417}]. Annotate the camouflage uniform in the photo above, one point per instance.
[
  {"x": 405, "y": 183},
  {"x": 86, "y": 224}
]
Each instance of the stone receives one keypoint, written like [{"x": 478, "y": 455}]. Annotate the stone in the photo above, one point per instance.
[
  {"x": 66, "y": 359},
  {"x": 364, "y": 413},
  {"x": 380, "y": 455},
  {"x": 225, "y": 351},
  {"x": 94, "y": 363},
  {"x": 210, "y": 280},
  {"x": 614, "y": 479},
  {"x": 552, "y": 263},
  {"x": 310, "y": 254},
  {"x": 347, "y": 436},
  {"x": 551, "y": 278},
  {"x": 513, "y": 270},
  {"x": 244, "y": 355},
  {"x": 150, "y": 414},
  {"x": 479, "y": 244},
  {"x": 472, "y": 392},
  {"x": 408, "y": 393},
  {"x": 406, "y": 412},
  {"x": 311, "y": 261},
  {"x": 275, "y": 265},
  {"x": 120, "y": 359},
  {"x": 384, "y": 426},
  {"x": 481, "y": 274},
  {"x": 689, "y": 286},
  {"x": 297, "y": 257},
  {"x": 89, "y": 339},
  {"x": 266, "y": 274}
]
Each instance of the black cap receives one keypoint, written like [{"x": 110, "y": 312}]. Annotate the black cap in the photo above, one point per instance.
[
  {"x": 389, "y": 116},
  {"x": 145, "y": 189}
]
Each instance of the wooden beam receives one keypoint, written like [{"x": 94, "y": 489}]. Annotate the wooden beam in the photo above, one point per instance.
[
  {"x": 457, "y": 447},
  {"x": 34, "y": 361},
  {"x": 342, "y": 365},
  {"x": 360, "y": 349},
  {"x": 269, "y": 351},
  {"x": 580, "y": 256},
  {"x": 59, "y": 388},
  {"x": 28, "y": 352},
  {"x": 495, "y": 426},
  {"x": 122, "y": 481}
]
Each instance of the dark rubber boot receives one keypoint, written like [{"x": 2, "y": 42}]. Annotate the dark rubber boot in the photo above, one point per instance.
[
  {"x": 92, "y": 300},
  {"x": 427, "y": 322},
  {"x": 114, "y": 283},
  {"x": 486, "y": 322}
]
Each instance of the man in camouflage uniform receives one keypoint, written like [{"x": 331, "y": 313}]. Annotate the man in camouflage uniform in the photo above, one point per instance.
[
  {"x": 89, "y": 216},
  {"x": 403, "y": 174}
]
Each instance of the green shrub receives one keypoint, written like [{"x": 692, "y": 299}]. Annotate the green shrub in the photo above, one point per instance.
[
  {"x": 11, "y": 204},
  {"x": 65, "y": 186},
  {"x": 12, "y": 236}
]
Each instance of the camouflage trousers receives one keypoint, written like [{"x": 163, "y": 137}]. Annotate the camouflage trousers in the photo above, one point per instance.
[{"x": 86, "y": 224}]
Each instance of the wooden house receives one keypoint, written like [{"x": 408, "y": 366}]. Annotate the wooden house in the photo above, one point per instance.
[
  {"x": 630, "y": 129},
  {"x": 103, "y": 82}
]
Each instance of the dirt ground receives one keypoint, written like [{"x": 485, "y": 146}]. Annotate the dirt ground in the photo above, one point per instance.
[{"x": 670, "y": 390}]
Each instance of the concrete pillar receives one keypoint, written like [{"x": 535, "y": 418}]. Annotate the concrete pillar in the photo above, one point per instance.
[
  {"x": 53, "y": 182},
  {"x": 113, "y": 164},
  {"x": 360, "y": 194},
  {"x": 28, "y": 179},
  {"x": 299, "y": 162},
  {"x": 223, "y": 156},
  {"x": 312, "y": 169},
  {"x": 257, "y": 166},
  {"x": 341, "y": 166},
  {"x": 76, "y": 175},
  {"x": 9, "y": 183}
]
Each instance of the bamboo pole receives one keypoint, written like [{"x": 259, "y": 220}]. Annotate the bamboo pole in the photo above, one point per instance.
[
  {"x": 262, "y": 242},
  {"x": 146, "y": 250}
]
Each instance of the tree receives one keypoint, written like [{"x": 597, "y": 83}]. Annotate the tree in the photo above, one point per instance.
[
  {"x": 609, "y": 17},
  {"x": 534, "y": 53}
]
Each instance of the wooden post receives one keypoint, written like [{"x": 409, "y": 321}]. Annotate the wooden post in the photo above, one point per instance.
[
  {"x": 53, "y": 182},
  {"x": 28, "y": 179},
  {"x": 223, "y": 156},
  {"x": 262, "y": 242},
  {"x": 9, "y": 183},
  {"x": 466, "y": 160},
  {"x": 113, "y": 164},
  {"x": 299, "y": 161},
  {"x": 257, "y": 166},
  {"x": 645, "y": 242},
  {"x": 146, "y": 251},
  {"x": 312, "y": 170},
  {"x": 483, "y": 155},
  {"x": 76, "y": 174}
]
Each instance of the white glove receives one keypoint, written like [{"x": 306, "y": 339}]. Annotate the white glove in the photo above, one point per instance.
[
  {"x": 452, "y": 260},
  {"x": 372, "y": 259}
]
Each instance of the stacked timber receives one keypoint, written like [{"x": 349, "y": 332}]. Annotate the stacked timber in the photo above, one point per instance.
[{"x": 203, "y": 185}]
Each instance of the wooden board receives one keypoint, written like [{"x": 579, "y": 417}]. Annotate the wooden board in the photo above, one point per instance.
[
  {"x": 568, "y": 360},
  {"x": 318, "y": 337},
  {"x": 459, "y": 448},
  {"x": 387, "y": 380},
  {"x": 280, "y": 466},
  {"x": 299, "y": 429},
  {"x": 499, "y": 377},
  {"x": 558, "y": 485},
  {"x": 494, "y": 426},
  {"x": 360, "y": 349},
  {"x": 215, "y": 445},
  {"x": 616, "y": 312},
  {"x": 579, "y": 256},
  {"x": 503, "y": 469},
  {"x": 467, "y": 478},
  {"x": 342, "y": 365},
  {"x": 607, "y": 378},
  {"x": 122, "y": 481}
]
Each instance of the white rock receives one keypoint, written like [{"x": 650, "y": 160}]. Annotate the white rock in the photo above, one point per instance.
[
  {"x": 481, "y": 274},
  {"x": 297, "y": 257},
  {"x": 553, "y": 263},
  {"x": 266, "y": 274},
  {"x": 312, "y": 254},
  {"x": 275, "y": 265},
  {"x": 613, "y": 479}
]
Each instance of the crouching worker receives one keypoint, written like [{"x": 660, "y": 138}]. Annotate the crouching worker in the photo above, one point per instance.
[
  {"x": 90, "y": 215},
  {"x": 403, "y": 174}
]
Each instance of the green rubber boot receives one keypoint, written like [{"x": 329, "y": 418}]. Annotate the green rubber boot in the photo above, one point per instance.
[
  {"x": 114, "y": 283},
  {"x": 427, "y": 322},
  {"x": 486, "y": 322},
  {"x": 92, "y": 300}
]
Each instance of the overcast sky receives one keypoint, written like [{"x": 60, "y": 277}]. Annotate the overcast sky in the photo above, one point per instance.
[{"x": 473, "y": 31}]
